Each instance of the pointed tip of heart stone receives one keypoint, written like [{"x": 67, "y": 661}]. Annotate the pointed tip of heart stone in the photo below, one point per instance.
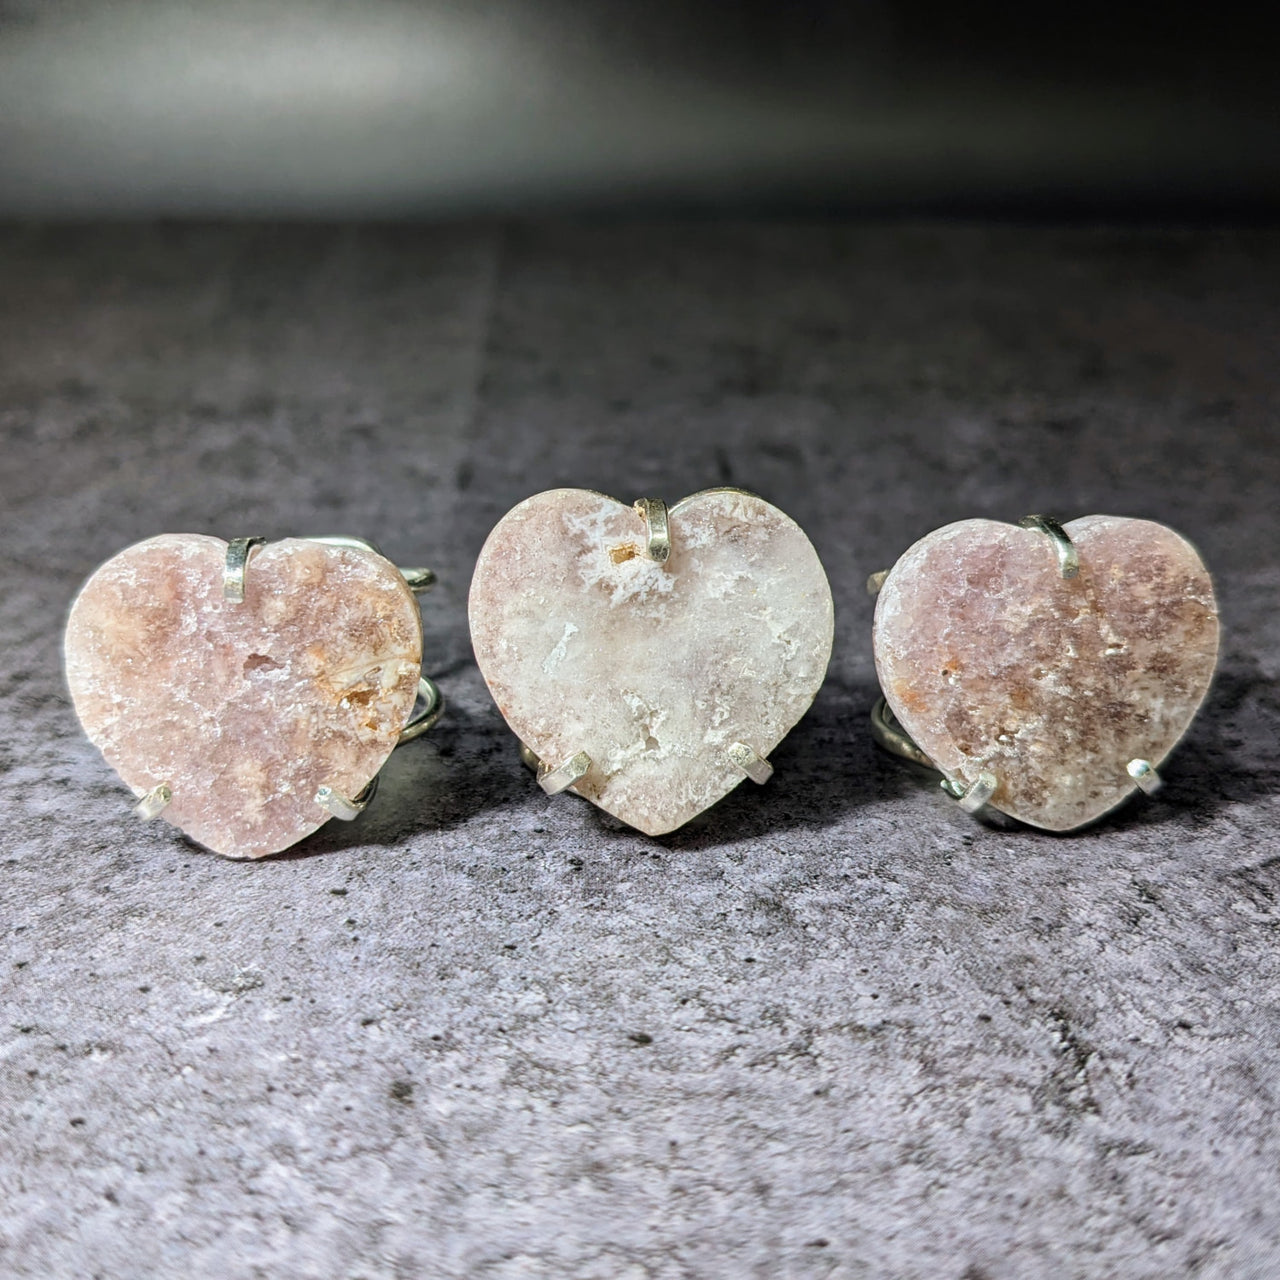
[
  {"x": 244, "y": 710},
  {"x": 653, "y": 669},
  {"x": 992, "y": 661}
]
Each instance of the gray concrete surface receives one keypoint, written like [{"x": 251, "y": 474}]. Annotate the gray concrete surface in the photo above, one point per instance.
[{"x": 834, "y": 1028}]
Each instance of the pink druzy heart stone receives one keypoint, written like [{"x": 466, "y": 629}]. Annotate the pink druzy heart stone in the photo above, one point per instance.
[
  {"x": 245, "y": 709},
  {"x": 994, "y": 662}
]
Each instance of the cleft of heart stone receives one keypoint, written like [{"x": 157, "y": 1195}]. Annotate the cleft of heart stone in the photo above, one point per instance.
[
  {"x": 244, "y": 710},
  {"x": 652, "y": 668},
  {"x": 996, "y": 663}
]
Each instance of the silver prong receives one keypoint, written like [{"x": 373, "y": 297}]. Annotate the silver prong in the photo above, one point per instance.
[
  {"x": 238, "y": 552},
  {"x": 344, "y": 807},
  {"x": 876, "y": 581},
  {"x": 420, "y": 580},
  {"x": 1068, "y": 557},
  {"x": 1143, "y": 772},
  {"x": 654, "y": 514},
  {"x": 758, "y": 769},
  {"x": 152, "y": 804},
  {"x": 976, "y": 794},
  {"x": 427, "y": 709},
  {"x": 554, "y": 781}
]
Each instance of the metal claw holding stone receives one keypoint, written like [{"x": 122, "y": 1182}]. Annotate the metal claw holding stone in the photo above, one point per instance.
[
  {"x": 1143, "y": 772},
  {"x": 976, "y": 794},
  {"x": 420, "y": 580},
  {"x": 237, "y": 562},
  {"x": 756, "y": 767},
  {"x": 1068, "y": 557},
  {"x": 889, "y": 734},
  {"x": 153, "y": 803},
  {"x": 427, "y": 709},
  {"x": 658, "y": 529},
  {"x": 346, "y": 808},
  {"x": 554, "y": 780}
]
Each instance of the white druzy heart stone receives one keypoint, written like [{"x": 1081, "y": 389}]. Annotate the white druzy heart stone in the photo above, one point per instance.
[
  {"x": 993, "y": 662},
  {"x": 244, "y": 710},
  {"x": 654, "y": 670}
]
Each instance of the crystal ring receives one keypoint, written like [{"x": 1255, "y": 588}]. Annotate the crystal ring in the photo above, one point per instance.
[
  {"x": 1045, "y": 670},
  {"x": 650, "y": 658},
  {"x": 249, "y": 691}
]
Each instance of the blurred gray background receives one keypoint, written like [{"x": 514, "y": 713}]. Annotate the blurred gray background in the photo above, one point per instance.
[{"x": 384, "y": 108}]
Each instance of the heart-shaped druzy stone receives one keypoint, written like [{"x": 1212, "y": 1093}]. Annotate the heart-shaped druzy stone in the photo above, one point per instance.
[
  {"x": 994, "y": 662},
  {"x": 653, "y": 669},
  {"x": 244, "y": 709}
]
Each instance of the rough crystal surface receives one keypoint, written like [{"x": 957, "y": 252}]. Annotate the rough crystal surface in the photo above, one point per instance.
[
  {"x": 992, "y": 660},
  {"x": 244, "y": 709},
  {"x": 653, "y": 669}
]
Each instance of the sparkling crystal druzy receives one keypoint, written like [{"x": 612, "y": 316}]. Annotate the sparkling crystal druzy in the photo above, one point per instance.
[
  {"x": 244, "y": 710},
  {"x": 993, "y": 661},
  {"x": 652, "y": 669}
]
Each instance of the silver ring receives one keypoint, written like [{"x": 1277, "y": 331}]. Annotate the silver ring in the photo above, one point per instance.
[
  {"x": 889, "y": 733},
  {"x": 427, "y": 709}
]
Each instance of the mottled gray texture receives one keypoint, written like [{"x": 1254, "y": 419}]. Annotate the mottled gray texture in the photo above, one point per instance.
[{"x": 834, "y": 1027}]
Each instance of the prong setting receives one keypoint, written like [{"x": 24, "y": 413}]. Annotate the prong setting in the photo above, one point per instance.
[
  {"x": 1068, "y": 557},
  {"x": 657, "y": 527},
  {"x": 237, "y": 562},
  {"x": 971, "y": 798},
  {"x": 153, "y": 803},
  {"x": 345, "y": 808},
  {"x": 743, "y": 757},
  {"x": 561, "y": 778},
  {"x": 1143, "y": 772}
]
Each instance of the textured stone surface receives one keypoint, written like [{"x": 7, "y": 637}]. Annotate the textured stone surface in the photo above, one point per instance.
[
  {"x": 244, "y": 709},
  {"x": 994, "y": 662},
  {"x": 653, "y": 670},
  {"x": 831, "y": 1028}
]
